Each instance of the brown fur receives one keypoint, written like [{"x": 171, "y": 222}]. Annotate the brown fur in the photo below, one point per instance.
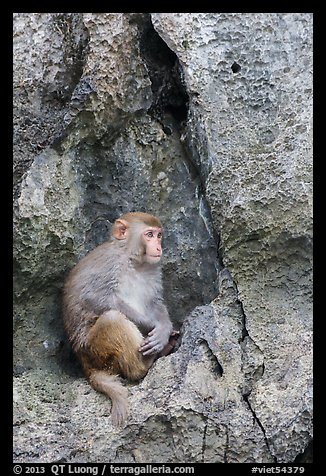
[
  {"x": 113, "y": 344},
  {"x": 140, "y": 217}
]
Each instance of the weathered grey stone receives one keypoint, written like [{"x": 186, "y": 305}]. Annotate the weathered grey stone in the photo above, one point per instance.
[
  {"x": 210, "y": 130},
  {"x": 49, "y": 56},
  {"x": 250, "y": 132},
  {"x": 188, "y": 408},
  {"x": 114, "y": 83}
]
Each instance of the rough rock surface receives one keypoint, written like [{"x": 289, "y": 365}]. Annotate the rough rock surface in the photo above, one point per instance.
[
  {"x": 254, "y": 113},
  {"x": 205, "y": 120},
  {"x": 187, "y": 409}
]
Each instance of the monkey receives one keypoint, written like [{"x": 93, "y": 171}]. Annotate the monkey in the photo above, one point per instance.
[{"x": 114, "y": 313}]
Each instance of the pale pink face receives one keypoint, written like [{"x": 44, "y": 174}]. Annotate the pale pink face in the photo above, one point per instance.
[{"x": 152, "y": 238}]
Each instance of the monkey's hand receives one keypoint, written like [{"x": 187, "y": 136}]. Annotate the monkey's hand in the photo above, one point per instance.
[{"x": 155, "y": 341}]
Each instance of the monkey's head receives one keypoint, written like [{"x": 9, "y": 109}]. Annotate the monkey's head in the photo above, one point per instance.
[{"x": 141, "y": 234}]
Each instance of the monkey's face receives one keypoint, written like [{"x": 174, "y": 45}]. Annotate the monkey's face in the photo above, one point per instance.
[
  {"x": 141, "y": 235},
  {"x": 152, "y": 240}
]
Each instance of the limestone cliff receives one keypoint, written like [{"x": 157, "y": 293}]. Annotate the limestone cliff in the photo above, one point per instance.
[{"x": 204, "y": 119}]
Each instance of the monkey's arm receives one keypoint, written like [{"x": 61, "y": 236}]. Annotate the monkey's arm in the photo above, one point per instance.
[
  {"x": 144, "y": 323},
  {"x": 157, "y": 338}
]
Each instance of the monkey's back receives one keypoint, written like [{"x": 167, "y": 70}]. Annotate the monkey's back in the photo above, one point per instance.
[{"x": 88, "y": 291}]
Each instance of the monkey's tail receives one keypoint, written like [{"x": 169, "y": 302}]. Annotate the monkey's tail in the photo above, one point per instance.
[{"x": 111, "y": 386}]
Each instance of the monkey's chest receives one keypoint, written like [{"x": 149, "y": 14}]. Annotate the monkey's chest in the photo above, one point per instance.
[{"x": 135, "y": 292}]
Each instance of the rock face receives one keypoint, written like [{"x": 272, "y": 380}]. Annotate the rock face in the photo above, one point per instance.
[{"x": 205, "y": 120}]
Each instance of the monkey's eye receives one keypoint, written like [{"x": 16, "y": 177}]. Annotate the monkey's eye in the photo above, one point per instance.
[
  {"x": 159, "y": 235},
  {"x": 149, "y": 234}
]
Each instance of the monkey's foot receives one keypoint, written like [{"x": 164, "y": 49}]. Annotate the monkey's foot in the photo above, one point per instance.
[{"x": 169, "y": 348}]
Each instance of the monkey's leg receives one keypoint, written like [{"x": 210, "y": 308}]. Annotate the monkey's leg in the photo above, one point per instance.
[
  {"x": 112, "y": 349},
  {"x": 115, "y": 342}
]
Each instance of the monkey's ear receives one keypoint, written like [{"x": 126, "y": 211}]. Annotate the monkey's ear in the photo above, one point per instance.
[{"x": 119, "y": 230}]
